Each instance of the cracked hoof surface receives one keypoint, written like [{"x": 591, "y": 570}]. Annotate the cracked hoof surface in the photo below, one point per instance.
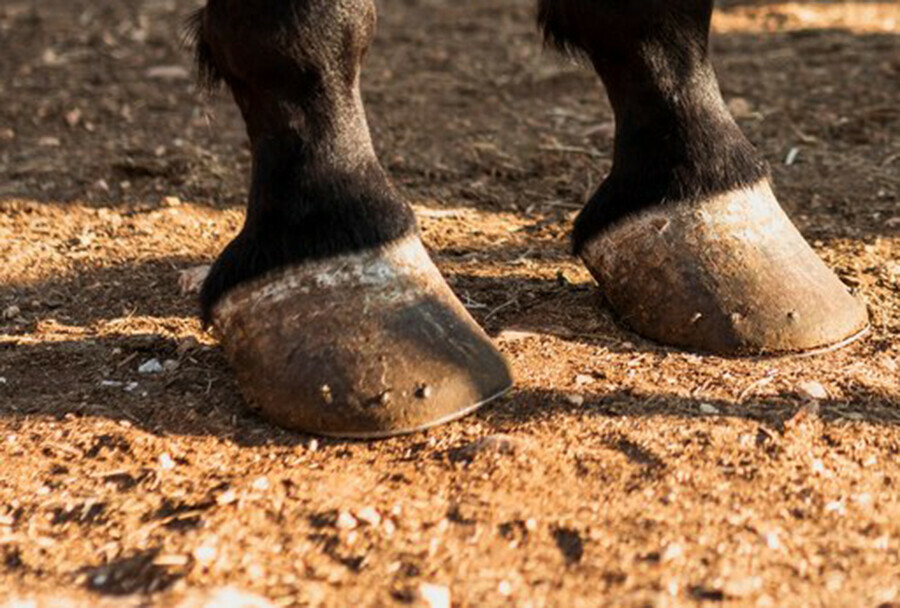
[
  {"x": 366, "y": 345},
  {"x": 730, "y": 275}
]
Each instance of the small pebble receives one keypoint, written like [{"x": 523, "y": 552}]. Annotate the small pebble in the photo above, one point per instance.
[
  {"x": 435, "y": 596},
  {"x": 836, "y": 507},
  {"x": 742, "y": 587},
  {"x": 11, "y": 312},
  {"x": 167, "y": 72},
  {"x": 170, "y": 365},
  {"x": 583, "y": 379},
  {"x": 3, "y": 380},
  {"x": 171, "y": 560},
  {"x": 153, "y": 366},
  {"x": 370, "y": 516},
  {"x": 226, "y": 498},
  {"x": 575, "y": 399},
  {"x": 205, "y": 554},
  {"x": 73, "y": 117},
  {"x": 672, "y": 552},
  {"x": 346, "y": 521},
  {"x": 812, "y": 390},
  {"x": 791, "y": 157},
  {"x": 261, "y": 484},
  {"x": 165, "y": 462},
  {"x": 709, "y": 409}
]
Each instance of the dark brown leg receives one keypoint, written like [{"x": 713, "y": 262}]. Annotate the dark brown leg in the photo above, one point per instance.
[
  {"x": 327, "y": 304},
  {"x": 685, "y": 236}
]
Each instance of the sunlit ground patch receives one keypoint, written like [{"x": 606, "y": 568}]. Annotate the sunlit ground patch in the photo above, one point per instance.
[{"x": 857, "y": 17}]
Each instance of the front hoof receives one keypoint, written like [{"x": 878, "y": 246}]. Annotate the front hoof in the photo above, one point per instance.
[
  {"x": 365, "y": 345},
  {"x": 730, "y": 275}
]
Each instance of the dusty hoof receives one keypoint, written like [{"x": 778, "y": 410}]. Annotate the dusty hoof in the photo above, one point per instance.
[
  {"x": 366, "y": 345},
  {"x": 731, "y": 275}
]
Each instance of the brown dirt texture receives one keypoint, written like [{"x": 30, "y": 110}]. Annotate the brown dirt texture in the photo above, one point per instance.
[{"x": 617, "y": 472}]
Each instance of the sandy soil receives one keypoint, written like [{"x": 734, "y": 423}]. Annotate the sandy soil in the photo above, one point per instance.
[{"x": 618, "y": 472}]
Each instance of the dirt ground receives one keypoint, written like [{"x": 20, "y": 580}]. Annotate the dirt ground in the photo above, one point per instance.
[{"x": 617, "y": 472}]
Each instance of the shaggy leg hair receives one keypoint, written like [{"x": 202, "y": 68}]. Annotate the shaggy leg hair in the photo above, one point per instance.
[
  {"x": 317, "y": 189},
  {"x": 675, "y": 139}
]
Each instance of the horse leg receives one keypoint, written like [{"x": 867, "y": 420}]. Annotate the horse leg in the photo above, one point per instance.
[
  {"x": 327, "y": 305},
  {"x": 685, "y": 236}
]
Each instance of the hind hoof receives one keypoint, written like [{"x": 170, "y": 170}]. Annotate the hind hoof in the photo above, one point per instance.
[
  {"x": 366, "y": 345},
  {"x": 730, "y": 275}
]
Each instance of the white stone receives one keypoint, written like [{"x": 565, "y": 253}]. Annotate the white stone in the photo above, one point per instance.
[
  {"x": 583, "y": 379},
  {"x": 742, "y": 587},
  {"x": 346, "y": 521},
  {"x": 152, "y": 366},
  {"x": 227, "y": 497},
  {"x": 205, "y": 554},
  {"x": 575, "y": 399},
  {"x": 369, "y": 515},
  {"x": 435, "y": 596},
  {"x": 165, "y": 462},
  {"x": 813, "y": 390},
  {"x": 672, "y": 552},
  {"x": 708, "y": 408}
]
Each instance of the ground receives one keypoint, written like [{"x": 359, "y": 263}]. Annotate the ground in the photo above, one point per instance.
[{"x": 617, "y": 472}]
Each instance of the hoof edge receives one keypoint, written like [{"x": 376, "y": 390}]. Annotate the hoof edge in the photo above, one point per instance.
[
  {"x": 730, "y": 275},
  {"x": 367, "y": 345}
]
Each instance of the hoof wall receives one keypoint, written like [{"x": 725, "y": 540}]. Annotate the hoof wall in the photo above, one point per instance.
[
  {"x": 731, "y": 276},
  {"x": 367, "y": 345}
]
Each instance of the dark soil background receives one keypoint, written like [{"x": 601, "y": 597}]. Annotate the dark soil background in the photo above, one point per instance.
[{"x": 617, "y": 473}]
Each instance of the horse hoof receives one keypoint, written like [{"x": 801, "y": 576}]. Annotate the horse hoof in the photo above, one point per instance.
[
  {"x": 730, "y": 275},
  {"x": 365, "y": 345}
]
